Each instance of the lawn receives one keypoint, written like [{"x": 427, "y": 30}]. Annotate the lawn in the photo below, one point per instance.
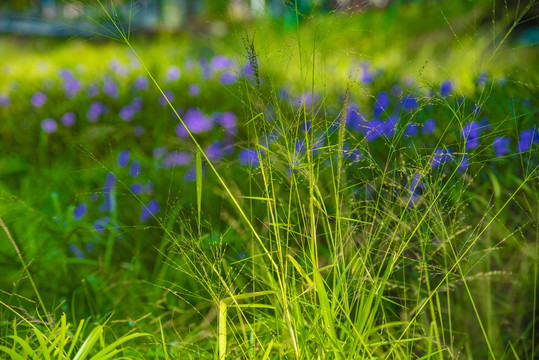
[{"x": 325, "y": 185}]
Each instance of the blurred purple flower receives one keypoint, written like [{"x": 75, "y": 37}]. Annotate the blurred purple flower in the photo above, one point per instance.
[
  {"x": 464, "y": 163},
  {"x": 526, "y": 139},
  {"x": 476, "y": 109},
  {"x": 127, "y": 112},
  {"x": 173, "y": 73},
  {"x": 440, "y": 156},
  {"x": 141, "y": 83},
  {"x": 412, "y": 129},
  {"x": 135, "y": 169},
  {"x": 38, "y": 100},
  {"x": 409, "y": 102},
  {"x": 196, "y": 121},
  {"x": 71, "y": 87},
  {"x": 136, "y": 188},
  {"x": 482, "y": 78},
  {"x": 428, "y": 126},
  {"x": 93, "y": 91},
  {"x": 191, "y": 174},
  {"x": 159, "y": 152},
  {"x": 110, "y": 88},
  {"x": 123, "y": 158},
  {"x": 414, "y": 189},
  {"x": 373, "y": 129},
  {"x": 4, "y": 100},
  {"x": 136, "y": 103},
  {"x": 96, "y": 109},
  {"x": 308, "y": 99},
  {"x": 248, "y": 71},
  {"x": 206, "y": 71},
  {"x": 446, "y": 88},
  {"x": 228, "y": 78},
  {"x": 220, "y": 62},
  {"x": 214, "y": 152},
  {"x": 177, "y": 158},
  {"x": 79, "y": 211},
  {"x": 75, "y": 250},
  {"x": 68, "y": 119},
  {"x": 138, "y": 130},
  {"x": 194, "y": 90},
  {"x": 89, "y": 247},
  {"x": 49, "y": 125},
  {"x": 163, "y": 99},
  {"x": 228, "y": 121},
  {"x": 471, "y": 132},
  {"x": 381, "y": 104},
  {"x": 248, "y": 157},
  {"x": 149, "y": 210},
  {"x": 354, "y": 119},
  {"x": 101, "y": 223},
  {"x": 367, "y": 76},
  {"x": 501, "y": 145}
]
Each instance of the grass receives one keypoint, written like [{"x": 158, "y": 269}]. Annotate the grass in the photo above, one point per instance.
[{"x": 324, "y": 244}]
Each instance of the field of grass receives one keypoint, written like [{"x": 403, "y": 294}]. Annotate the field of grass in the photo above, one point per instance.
[{"x": 353, "y": 186}]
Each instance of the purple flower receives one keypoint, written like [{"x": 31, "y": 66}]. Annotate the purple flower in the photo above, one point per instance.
[
  {"x": 367, "y": 76},
  {"x": 476, "y": 109},
  {"x": 108, "y": 203},
  {"x": 123, "y": 158},
  {"x": 136, "y": 104},
  {"x": 127, "y": 113},
  {"x": 149, "y": 187},
  {"x": 38, "y": 100},
  {"x": 75, "y": 250},
  {"x": 71, "y": 86},
  {"x": 96, "y": 109},
  {"x": 163, "y": 99},
  {"x": 381, "y": 105},
  {"x": 501, "y": 145},
  {"x": 446, "y": 88},
  {"x": 110, "y": 88},
  {"x": 389, "y": 126},
  {"x": 177, "y": 158},
  {"x": 89, "y": 247},
  {"x": 471, "y": 132},
  {"x": 409, "y": 102},
  {"x": 248, "y": 71},
  {"x": 135, "y": 169},
  {"x": 196, "y": 121},
  {"x": 68, "y": 119},
  {"x": 228, "y": 78},
  {"x": 220, "y": 62},
  {"x": 4, "y": 100},
  {"x": 228, "y": 121},
  {"x": 194, "y": 90},
  {"x": 191, "y": 174},
  {"x": 93, "y": 91},
  {"x": 248, "y": 157},
  {"x": 173, "y": 73},
  {"x": 206, "y": 70},
  {"x": 373, "y": 129},
  {"x": 214, "y": 152},
  {"x": 355, "y": 120},
  {"x": 136, "y": 188},
  {"x": 414, "y": 189},
  {"x": 412, "y": 129},
  {"x": 526, "y": 139},
  {"x": 482, "y": 78},
  {"x": 141, "y": 83},
  {"x": 440, "y": 156},
  {"x": 79, "y": 211},
  {"x": 149, "y": 210},
  {"x": 464, "y": 163},
  {"x": 308, "y": 99},
  {"x": 159, "y": 152},
  {"x": 428, "y": 126},
  {"x": 101, "y": 223},
  {"x": 49, "y": 125}
]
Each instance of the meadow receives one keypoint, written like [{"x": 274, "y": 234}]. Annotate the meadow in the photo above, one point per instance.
[{"x": 339, "y": 186}]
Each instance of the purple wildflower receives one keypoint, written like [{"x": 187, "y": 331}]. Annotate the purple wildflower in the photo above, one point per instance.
[
  {"x": 110, "y": 88},
  {"x": 101, "y": 223},
  {"x": 355, "y": 120},
  {"x": 96, "y": 109},
  {"x": 38, "y": 100},
  {"x": 135, "y": 169},
  {"x": 220, "y": 62},
  {"x": 89, "y": 247},
  {"x": 136, "y": 188},
  {"x": 136, "y": 104},
  {"x": 141, "y": 83},
  {"x": 191, "y": 174},
  {"x": 501, "y": 145},
  {"x": 79, "y": 211},
  {"x": 75, "y": 250},
  {"x": 194, "y": 90},
  {"x": 228, "y": 121},
  {"x": 123, "y": 158},
  {"x": 471, "y": 132},
  {"x": 476, "y": 109},
  {"x": 4, "y": 100},
  {"x": 526, "y": 139},
  {"x": 159, "y": 152},
  {"x": 68, "y": 119},
  {"x": 464, "y": 163},
  {"x": 409, "y": 102},
  {"x": 214, "y": 152},
  {"x": 373, "y": 129},
  {"x": 163, "y": 98},
  {"x": 173, "y": 73},
  {"x": 248, "y": 157},
  {"x": 482, "y": 78},
  {"x": 228, "y": 78},
  {"x": 367, "y": 76},
  {"x": 71, "y": 87},
  {"x": 381, "y": 105},
  {"x": 127, "y": 112},
  {"x": 177, "y": 158},
  {"x": 440, "y": 156},
  {"x": 446, "y": 88},
  {"x": 414, "y": 189},
  {"x": 49, "y": 125},
  {"x": 93, "y": 91},
  {"x": 196, "y": 121},
  {"x": 428, "y": 126},
  {"x": 149, "y": 210},
  {"x": 248, "y": 71},
  {"x": 412, "y": 129}
]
